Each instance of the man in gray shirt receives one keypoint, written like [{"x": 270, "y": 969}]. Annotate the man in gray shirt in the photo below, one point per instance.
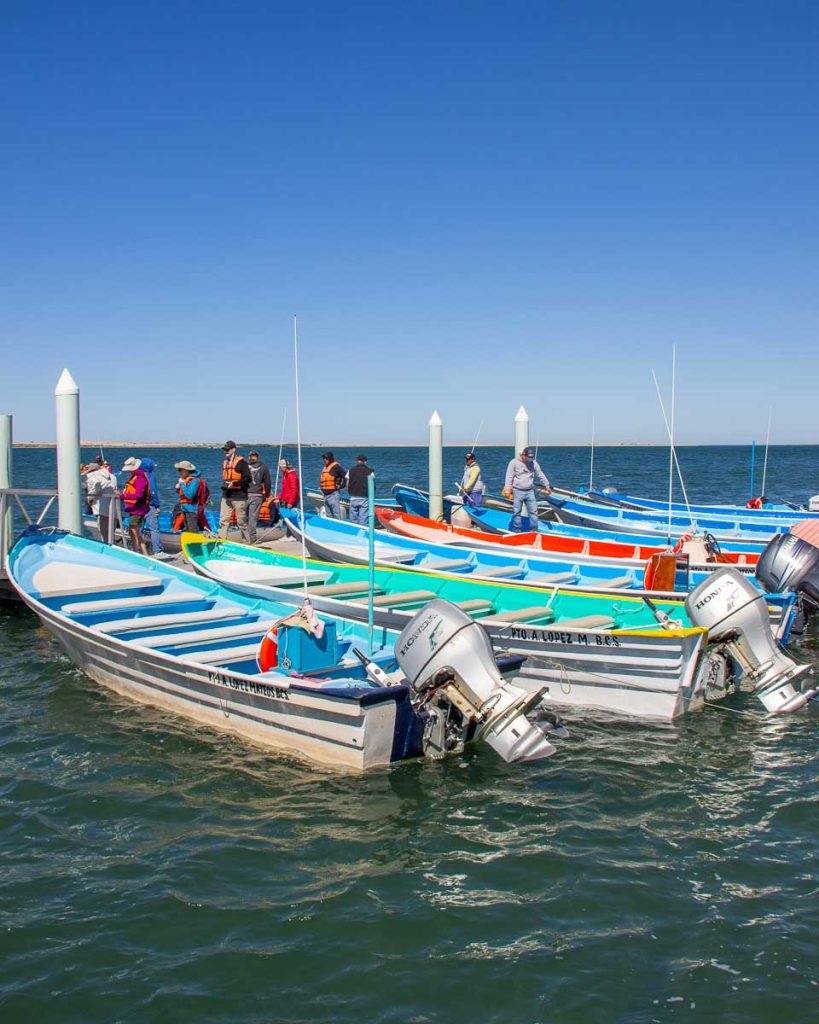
[{"x": 520, "y": 485}]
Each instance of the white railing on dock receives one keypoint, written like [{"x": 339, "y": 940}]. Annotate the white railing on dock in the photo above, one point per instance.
[{"x": 13, "y": 502}]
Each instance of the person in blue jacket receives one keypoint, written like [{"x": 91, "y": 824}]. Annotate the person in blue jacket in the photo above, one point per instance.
[{"x": 152, "y": 519}]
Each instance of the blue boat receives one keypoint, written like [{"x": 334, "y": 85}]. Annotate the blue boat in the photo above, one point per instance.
[
  {"x": 333, "y": 540},
  {"x": 165, "y": 637},
  {"x": 791, "y": 513}
]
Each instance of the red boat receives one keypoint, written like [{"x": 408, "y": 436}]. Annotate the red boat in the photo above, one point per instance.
[{"x": 444, "y": 533}]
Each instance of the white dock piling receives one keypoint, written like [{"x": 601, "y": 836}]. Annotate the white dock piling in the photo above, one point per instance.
[
  {"x": 521, "y": 430},
  {"x": 6, "y": 437},
  {"x": 436, "y": 467},
  {"x": 67, "y": 406}
]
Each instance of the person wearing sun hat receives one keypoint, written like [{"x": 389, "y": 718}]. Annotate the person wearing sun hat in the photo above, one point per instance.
[
  {"x": 136, "y": 501},
  {"x": 520, "y": 483}
]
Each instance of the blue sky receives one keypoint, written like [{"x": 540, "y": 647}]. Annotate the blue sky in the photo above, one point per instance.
[{"x": 469, "y": 206}]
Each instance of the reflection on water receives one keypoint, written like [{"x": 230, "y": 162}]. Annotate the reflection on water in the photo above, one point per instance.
[{"x": 154, "y": 869}]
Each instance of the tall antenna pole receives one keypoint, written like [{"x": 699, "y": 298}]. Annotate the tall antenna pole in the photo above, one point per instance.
[
  {"x": 767, "y": 442},
  {"x": 298, "y": 447},
  {"x": 281, "y": 446},
  {"x": 591, "y": 461},
  {"x": 674, "y": 452},
  {"x": 671, "y": 436}
]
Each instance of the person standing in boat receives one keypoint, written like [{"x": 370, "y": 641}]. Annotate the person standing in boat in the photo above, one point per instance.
[
  {"x": 152, "y": 518},
  {"x": 136, "y": 500},
  {"x": 472, "y": 486},
  {"x": 333, "y": 478},
  {"x": 257, "y": 492},
  {"x": 289, "y": 490},
  {"x": 193, "y": 494},
  {"x": 358, "y": 489},
  {"x": 520, "y": 485},
  {"x": 101, "y": 488},
  {"x": 236, "y": 480}
]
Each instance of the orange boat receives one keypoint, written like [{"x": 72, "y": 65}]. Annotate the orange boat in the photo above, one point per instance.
[{"x": 430, "y": 531}]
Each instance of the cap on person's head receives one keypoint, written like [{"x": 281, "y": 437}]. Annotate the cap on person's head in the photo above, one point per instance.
[
  {"x": 361, "y": 458},
  {"x": 470, "y": 455},
  {"x": 228, "y": 446},
  {"x": 184, "y": 464},
  {"x": 251, "y": 454},
  {"x": 328, "y": 455},
  {"x": 528, "y": 452},
  {"x": 131, "y": 464},
  {"x": 100, "y": 461},
  {"x": 284, "y": 464}
]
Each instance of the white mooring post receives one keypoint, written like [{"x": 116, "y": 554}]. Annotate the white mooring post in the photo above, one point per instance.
[
  {"x": 521, "y": 430},
  {"x": 5, "y": 482},
  {"x": 67, "y": 406},
  {"x": 436, "y": 467}
]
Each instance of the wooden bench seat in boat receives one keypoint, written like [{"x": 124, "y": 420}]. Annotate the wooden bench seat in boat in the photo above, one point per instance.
[
  {"x": 206, "y": 636},
  {"x": 589, "y": 622},
  {"x": 616, "y": 581},
  {"x": 502, "y": 570},
  {"x": 552, "y": 578},
  {"x": 147, "y": 622},
  {"x": 127, "y": 603},
  {"x": 266, "y": 575},
  {"x": 446, "y": 564},
  {"x": 475, "y": 606},
  {"x": 537, "y": 612},
  {"x": 223, "y": 655},
  {"x": 342, "y": 589},
  {"x": 408, "y": 597},
  {"x": 69, "y": 579}
]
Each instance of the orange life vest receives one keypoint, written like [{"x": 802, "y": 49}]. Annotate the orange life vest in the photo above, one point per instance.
[
  {"x": 328, "y": 481},
  {"x": 754, "y": 503},
  {"x": 231, "y": 476}
]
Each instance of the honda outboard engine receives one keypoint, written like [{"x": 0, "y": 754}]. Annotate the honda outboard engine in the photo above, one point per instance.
[
  {"x": 791, "y": 563},
  {"x": 735, "y": 614},
  {"x": 449, "y": 663}
]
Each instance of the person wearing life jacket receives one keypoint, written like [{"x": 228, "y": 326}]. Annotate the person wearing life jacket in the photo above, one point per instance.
[
  {"x": 257, "y": 493},
  {"x": 136, "y": 502},
  {"x": 472, "y": 486},
  {"x": 236, "y": 479},
  {"x": 193, "y": 494},
  {"x": 332, "y": 481},
  {"x": 289, "y": 491},
  {"x": 757, "y": 503}
]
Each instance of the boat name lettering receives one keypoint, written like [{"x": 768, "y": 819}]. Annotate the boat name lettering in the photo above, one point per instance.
[
  {"x": 554, "y": 637},
  {"x": 249, "y": 686},
  {"x": 423, "y": 626}
]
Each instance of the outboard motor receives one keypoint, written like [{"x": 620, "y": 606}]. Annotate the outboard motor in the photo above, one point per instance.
[
  {"x": 449, "y": 663},
  {"x": 735, "y": 614},
  {"x": 791, "y": 563}
]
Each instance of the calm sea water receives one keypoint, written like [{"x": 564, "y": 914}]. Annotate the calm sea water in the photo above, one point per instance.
[{"x": 154, "y": 871}]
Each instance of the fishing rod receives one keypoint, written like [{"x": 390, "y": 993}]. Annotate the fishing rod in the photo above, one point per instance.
[
  {"x": 475, "y": 442},
  {"x": 674, "y": 453},
  {"x": 591, "y": 460},
  {"x": 298, "y": 449},
  {"x": 767, "y": 443}
]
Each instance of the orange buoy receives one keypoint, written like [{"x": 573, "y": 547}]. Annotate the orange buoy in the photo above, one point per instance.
[{"x": 268, "y": 656}]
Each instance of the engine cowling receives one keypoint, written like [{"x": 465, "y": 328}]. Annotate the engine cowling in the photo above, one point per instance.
[
  {"x": 449, "y": 663},
  {"x": 735, "y": 614},
  {"x": 790, "y": 563}
]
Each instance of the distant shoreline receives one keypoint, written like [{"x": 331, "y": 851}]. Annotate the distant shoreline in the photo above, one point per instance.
[{"x": 358, "y": 444}]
